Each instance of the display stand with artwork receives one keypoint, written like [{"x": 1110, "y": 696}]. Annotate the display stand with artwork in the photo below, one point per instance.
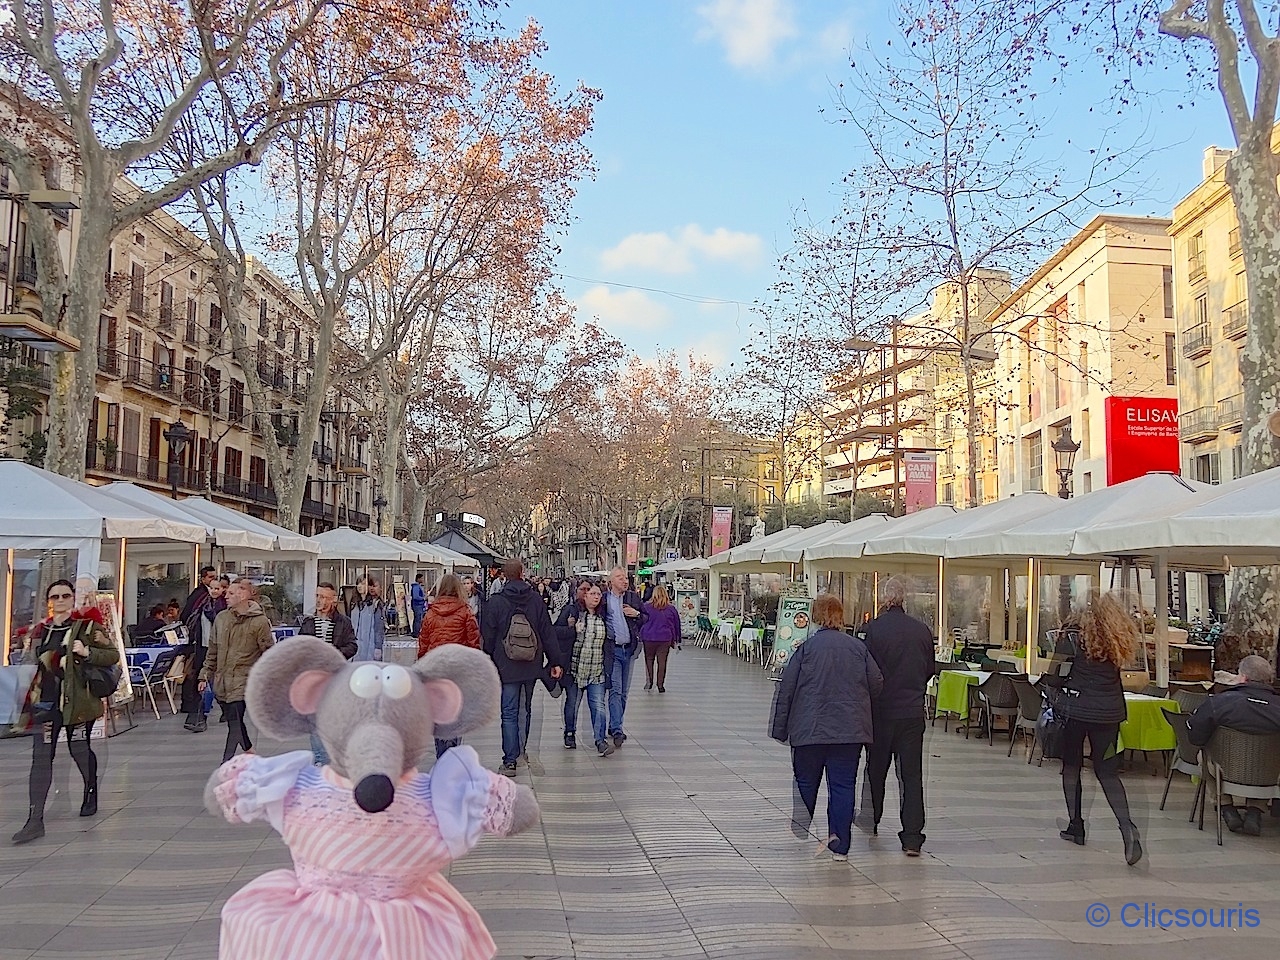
[
  {"x": 119, "y": 706},
  {"x": 795, "y": 613}
]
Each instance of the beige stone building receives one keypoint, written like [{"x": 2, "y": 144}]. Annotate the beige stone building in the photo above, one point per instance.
[
  {"x": 1211, "y": 301},
  {"x": 164, "y": 356},
  {"x": 1096, "y": 320}
]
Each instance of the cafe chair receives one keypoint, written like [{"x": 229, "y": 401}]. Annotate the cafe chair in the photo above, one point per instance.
[
  {"x": 1029, "y": 704},
  {"x": 1152, "y": 690},
  {"x": 1245, "y": 765},
  {"x": 144, "y": 680},
  {"x": 1186, "y": 759},
  {"x": 999, "y": 699},
  {"x": 1188, "y": 700},
  {"x": 939, "y": 667}
]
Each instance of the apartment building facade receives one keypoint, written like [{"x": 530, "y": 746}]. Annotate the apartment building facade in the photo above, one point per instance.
[
  {"x": 1094, "y": 321},
  {"x": 164, "y": 357},
  {"x": 1211, "y": 302}
]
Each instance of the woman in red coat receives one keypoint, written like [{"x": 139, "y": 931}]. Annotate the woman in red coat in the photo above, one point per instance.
[{"x": 448, "y": 620}]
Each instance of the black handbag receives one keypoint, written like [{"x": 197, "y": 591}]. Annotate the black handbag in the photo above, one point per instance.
[
  {"x": 1051, "y": 727},
  {"x": 102, "y": 681}
]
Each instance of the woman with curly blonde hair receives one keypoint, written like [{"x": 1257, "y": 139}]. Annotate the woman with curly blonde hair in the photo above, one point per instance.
[{"x": 1100, "y": 639}]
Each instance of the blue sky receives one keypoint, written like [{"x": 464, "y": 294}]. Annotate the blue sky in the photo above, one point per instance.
[{"x": 710, "y": 136}]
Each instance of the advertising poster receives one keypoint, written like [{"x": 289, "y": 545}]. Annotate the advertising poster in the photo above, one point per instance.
[
  {"x": 633, "y": 549},
  {"x": 794, "y": 616},
  {"x": 689, "y": 605},
  {"x": 1142, "y": 437},
  {"x": 721, "y": 524},
  {"x": 921, "y": 471}
]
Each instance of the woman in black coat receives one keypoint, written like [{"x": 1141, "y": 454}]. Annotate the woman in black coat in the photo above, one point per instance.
[
  {"x": 1100, "y": 640},
  {"x": 823, "y": 709}
]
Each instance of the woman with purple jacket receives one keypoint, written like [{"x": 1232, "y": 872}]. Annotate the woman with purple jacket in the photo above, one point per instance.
[{"x": 660, "y": 631}]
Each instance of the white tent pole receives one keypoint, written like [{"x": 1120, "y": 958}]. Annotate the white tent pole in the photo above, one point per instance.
[
  {"x": 8, "y": 599},
  {"x": 1160, "y": 569},
  {"x": 713, "y": 595},
  {"x": 1033, "y": 611},
  {"x": 942, "y": 601},
  {"x": 875, "y": 594}
]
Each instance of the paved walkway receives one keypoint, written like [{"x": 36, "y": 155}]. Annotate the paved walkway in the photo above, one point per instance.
[{"x": 677, "y": 847}]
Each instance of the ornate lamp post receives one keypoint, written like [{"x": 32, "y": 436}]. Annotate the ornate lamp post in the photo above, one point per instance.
[
  {"x": 1064, "y": 455},
  {"x": 379, "y": 502},
  {"x": 177, "y": 436}
]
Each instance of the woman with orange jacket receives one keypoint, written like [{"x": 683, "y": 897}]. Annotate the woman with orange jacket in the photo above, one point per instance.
[{"x": 448, "y": 620}]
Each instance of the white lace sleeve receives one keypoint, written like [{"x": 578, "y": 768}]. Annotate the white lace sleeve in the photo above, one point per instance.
[
  {"x": 254, "y": 788},
  {"x": 468, "y": 800}
]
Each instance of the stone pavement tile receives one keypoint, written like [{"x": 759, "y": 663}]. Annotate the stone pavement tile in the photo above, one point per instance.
[
  {"x": 914, "y": 937},
  {"x": 639, "y": 946}
]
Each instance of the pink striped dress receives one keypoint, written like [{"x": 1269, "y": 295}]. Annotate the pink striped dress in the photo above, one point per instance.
[{"x": 365, "y": 886}]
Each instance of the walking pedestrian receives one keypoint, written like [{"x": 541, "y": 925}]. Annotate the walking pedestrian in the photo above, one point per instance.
[
  {"x": 822, "y": 708},
  {"x": 241, "y": 634},
  {"x": 587, "y": 637},
  {"x": 59, "y": 697},
  {"x": 418, "y": 601},
  {"x": 199, "y": 636},
  {"x": 332, "y": 626},
  {"x": 902, "y": 648},
  {"x": 623, "y": 607},
  {"x": 561, "y": 594},
  {"x": 1100, "y": 639},
  {"x": 517, "y": 633},
  {"x": 448, "y": 620},
  {"x": 369, "y": 619},
  {"x": 661, "y": 631}
]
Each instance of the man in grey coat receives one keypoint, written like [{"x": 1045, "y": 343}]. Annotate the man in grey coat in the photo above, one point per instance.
[{"x": 823, "y": 709}]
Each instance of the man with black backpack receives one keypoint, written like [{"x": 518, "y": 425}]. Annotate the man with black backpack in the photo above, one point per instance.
[{"x": 517, "y": 633}]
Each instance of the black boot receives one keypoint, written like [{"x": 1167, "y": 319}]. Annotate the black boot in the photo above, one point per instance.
[
  {"x": 1132, "y": 845},
  {"x": 34, "y": 828},
  {"x": 1074, "y": 832},
  {"x": 90, "y": 805}
]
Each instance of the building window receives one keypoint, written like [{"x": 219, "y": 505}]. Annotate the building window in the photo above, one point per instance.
[
  {"x": 1237, "y": 461},
  {"x": 262, "y": 316},
  {"x": 215, "y": 324},
  {"x": 1035, "y": 462},
  {"x": 948, "y": 493},
  {"x": 1084, "y": 366},
  {"x": 190, "y": 333},
  {"x": 1170, "y": 360},
  {"x": 137, "y": 286},
  {"x": 1207, "y": 468},
  {"x": 235, "y": 402},
  {"x": 1085, "y": 445},
  {"x": 1087, "y": 483},
  {"x": 1202, "y": 309},
  {"x": 1168, "y": 293}
]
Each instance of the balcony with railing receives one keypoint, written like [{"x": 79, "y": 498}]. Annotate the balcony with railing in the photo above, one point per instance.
[
  {"x": 1231, "y": 412},
  {"x": 26, "y": 273},
  {"x": 1233, "y": 242},
  {"x": 21, "y": 364},
  {"x": 148, "y": 375},
  {"x": 1197, "y": 340},
  {"x": 109, "y": 359},
  {"x": 1195, "y": 265},
  {"x": 1235, "y": 320},
  {"x": 1198, "y": 425},
  {"x": 168, "y": 322}
]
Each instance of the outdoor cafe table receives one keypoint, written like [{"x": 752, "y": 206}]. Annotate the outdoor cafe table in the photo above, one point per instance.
[
  {"x": 1145, "y": 727},
  {"x": 953, "y": 691}
]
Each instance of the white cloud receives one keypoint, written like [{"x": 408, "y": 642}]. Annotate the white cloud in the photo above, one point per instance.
[
  {"x": 625, "y": 310},
  {"x": 666, "y": 253},
  {"x": 749, "y": 30}
]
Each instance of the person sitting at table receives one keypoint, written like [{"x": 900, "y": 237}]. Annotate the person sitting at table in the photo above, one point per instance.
[
  {"x": 173, "y": 612},
  {"x": 1098, "y": 639},
  {"x": 1253, "y": 706},
  {"x": 151, "y": 625}
]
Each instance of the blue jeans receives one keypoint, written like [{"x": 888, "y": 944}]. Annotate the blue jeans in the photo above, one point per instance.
[
  {"x": 516, "y": 716},
  {"x": 418, "y": 614},
  {"x": 840, "y": 761},
  {"x": 595, "y": 703},
  {"x": 619, "y": 684},
  {"x": 318, "y": 753}
]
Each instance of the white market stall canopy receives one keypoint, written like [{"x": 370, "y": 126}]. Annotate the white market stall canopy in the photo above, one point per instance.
[
  {"x": 346, "y": 543},
  {"x": 746, "y": 557},
  {"x": 437, "y": 555},
  {"x": 694, "y": 565},
  {"x": 933, "y": 540},
  {"x": 284, "y": 540},
  {"x": 221, "y": 532},
  {"x": 844, "y": 551},
  {"x": 41, "y": 510},
  {"x": 1237, "y": 523},
  {"x": 794, "y": 549}
]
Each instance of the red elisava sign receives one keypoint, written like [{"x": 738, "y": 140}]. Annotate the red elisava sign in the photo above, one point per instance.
[{"x": 1142, "y": 437}]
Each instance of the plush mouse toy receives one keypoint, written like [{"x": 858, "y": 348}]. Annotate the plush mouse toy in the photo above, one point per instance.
[{"x": 369, "y": 834}]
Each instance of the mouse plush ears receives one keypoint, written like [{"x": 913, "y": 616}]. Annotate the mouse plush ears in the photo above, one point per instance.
[
  {"x": 291, "y": 667},
  {"x": 476, "y": 678}
]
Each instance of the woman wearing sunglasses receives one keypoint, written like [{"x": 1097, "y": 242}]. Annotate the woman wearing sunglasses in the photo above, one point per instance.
[{"x": 60, "y": 697}]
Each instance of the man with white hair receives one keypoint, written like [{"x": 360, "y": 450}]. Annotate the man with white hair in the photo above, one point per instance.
[
  {"x": 903, "y": 649},
  {"x": 1251, "y": 707}
]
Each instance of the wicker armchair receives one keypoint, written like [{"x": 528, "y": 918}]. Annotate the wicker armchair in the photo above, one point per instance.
[
  {"x": 1029, "y": 704},
  {"x": 1241, "y": 764},
  {"x": 999, "y": 700},
  {"x": 1186, "y": 759},
  {"x": 1152, "y": 690},
  {"x": 1188, "y": 700}
]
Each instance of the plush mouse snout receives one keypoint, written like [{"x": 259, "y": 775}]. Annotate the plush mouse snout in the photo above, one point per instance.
[{"x": 374, "y": 793}]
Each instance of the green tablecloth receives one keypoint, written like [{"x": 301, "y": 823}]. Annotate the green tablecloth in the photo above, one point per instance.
[
  {"x": 1145, "y": 727},
  {"x": 953, "y": 691}
]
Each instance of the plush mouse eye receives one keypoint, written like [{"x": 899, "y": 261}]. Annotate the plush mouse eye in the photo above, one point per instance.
[
  {"x": 366, "y": 682},
  {"x": 396, "y": 682}
]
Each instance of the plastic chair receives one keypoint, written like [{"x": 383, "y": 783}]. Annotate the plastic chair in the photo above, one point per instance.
[
  {"x": 1241, "y": 764},
  {"x": 1186, "y": 759},
  {"x": 1029, "y": 705},
  {"x": 147, "y": 679},
  {"x": 999, "y": 699}
]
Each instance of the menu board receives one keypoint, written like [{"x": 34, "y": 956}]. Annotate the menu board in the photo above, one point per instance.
[{"x": 794, "y": 618}]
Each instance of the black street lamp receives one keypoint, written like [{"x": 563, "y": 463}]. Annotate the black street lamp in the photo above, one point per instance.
[
  {"x": 1064, "y": 455},
  {"x": 379, "y": 502},
  {"x": 177, "y": 436}
]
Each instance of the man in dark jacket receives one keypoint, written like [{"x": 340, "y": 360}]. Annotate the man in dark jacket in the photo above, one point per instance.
[
  {"x": 903, "y": 649},
  {"x": 625, "y": 612},
  {"x": 1252, "y": 707},
  {"x": 519, "y": 677},
  {"x": 329, "y": 623}
]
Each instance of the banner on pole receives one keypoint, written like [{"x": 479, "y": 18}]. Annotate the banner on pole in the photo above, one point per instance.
[
  {"x": 721, "y": 524},
  {"x": 921, "y": 470},
  {"x": 633, "y": 549}
]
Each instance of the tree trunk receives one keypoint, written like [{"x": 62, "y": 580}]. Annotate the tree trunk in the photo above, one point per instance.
[
  {"x": 389, "y": 455},
  {"x": 1251, "y": 175}
]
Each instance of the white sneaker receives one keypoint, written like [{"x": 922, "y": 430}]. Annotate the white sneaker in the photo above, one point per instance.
[{"x": 840, "y": 857}]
